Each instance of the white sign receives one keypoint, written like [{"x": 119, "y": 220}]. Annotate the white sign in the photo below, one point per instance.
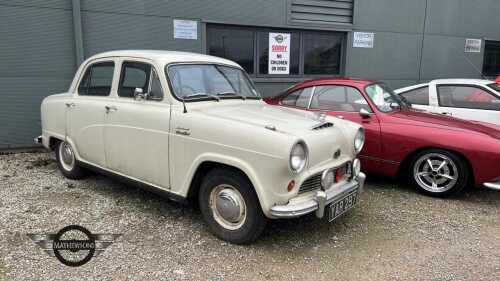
[
  {"x": 473, "y": 45},
  {"x": 185, "y": 29},
  {"x": 279, "y": 53},
  {"x": 363, "y": 40}
]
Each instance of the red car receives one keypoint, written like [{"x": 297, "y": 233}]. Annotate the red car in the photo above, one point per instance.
[{"x": 440, "y": 154}]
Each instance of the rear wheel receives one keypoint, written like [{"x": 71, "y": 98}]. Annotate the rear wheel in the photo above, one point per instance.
[
  {"x": 230, "y": 206},
  {"x": 439, "y": 173},
  {"x": 66, "y": 161}
]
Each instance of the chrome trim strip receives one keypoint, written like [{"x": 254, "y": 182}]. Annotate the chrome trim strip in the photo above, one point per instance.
[{"x": 492, "y": 185}]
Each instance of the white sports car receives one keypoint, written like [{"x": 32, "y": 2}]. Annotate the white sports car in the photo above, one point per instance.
[{"x": 471, "y": 99}]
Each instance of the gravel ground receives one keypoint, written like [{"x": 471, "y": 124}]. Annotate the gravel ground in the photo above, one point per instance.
[{"x": 394, "y": 234}]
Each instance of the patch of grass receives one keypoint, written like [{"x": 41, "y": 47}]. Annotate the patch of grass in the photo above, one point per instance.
[{"x": 3, "y": 270}]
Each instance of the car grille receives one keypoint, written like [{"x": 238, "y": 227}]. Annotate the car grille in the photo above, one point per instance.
[{"x": 312, "y": 183}]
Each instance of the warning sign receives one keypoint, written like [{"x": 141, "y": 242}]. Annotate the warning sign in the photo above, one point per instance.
[{"x": 279, "y": 53}]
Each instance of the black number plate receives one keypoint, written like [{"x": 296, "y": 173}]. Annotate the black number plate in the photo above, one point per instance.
[{"x": 337, "y": 208}]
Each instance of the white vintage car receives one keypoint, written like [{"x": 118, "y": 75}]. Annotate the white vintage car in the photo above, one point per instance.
[
  {"x": 470, "y": 99},
  {"x": 193, "y": 126}
]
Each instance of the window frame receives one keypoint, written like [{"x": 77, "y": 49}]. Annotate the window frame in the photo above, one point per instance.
[
  {"x": 464, "y": 85},
  {"x": 122, "y": 76},
  {"x": 89, "y": 66},
  {"x": 171, "y": 87},
  {"x": 337, "y": 85},
  {"x": 256, "y": 52},
  {"x": 314, "y": 92},
  {"x": 416, "y": 89}
]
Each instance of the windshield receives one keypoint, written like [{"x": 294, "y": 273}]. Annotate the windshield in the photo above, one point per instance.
[
  {"x": 201, "y": 81},
  {"x": 384, "y": 98},
  {"x": 495, "y": 87}
]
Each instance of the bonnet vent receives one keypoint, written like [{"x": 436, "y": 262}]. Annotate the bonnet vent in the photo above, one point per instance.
[{"x": 322, "y": 126}]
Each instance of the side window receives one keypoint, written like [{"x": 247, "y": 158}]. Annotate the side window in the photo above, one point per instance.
[
  {"x": 299, "y": 98},
  {"x": 155, "y": 91},
  {"x": 339, "y": 98},
  {"x": 467, "y": 97},
  {"x": 97, "y": 80},
  {"x": 134, "y": 75},
  {"x": 417, "y": 96}
]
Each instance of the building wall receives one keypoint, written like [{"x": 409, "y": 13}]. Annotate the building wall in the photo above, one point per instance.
[{"x": 415, "y": 40}]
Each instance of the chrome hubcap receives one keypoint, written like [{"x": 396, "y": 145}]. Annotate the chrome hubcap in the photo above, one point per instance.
[
  {"x": 227, "y": 206},
  {"x": 435, "y": 172},
  {"x": 67, "y": 156}
]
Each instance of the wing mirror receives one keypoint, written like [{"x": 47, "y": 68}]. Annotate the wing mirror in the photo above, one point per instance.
[
  {"x": 364, "y": 113},
  {"x": 139, "y": 94}
]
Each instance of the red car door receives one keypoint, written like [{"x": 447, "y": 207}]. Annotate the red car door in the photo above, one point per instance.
[{"x": 347, "y": 102}]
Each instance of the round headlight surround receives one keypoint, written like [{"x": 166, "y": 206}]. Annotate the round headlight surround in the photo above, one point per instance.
[
  {"x": 356, "y": 167},
  {"x": 298, "y": 157},
  {"x": 327, "y": 178},
  {"x": 359, "y": 140}
]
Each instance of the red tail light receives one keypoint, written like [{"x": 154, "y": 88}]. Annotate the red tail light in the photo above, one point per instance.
[{"x": 498, "y": 80}]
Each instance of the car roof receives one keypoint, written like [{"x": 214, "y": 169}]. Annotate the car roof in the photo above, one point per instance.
[
  {"x": 335, "y": 80},
  {"x": 165, "y": 57},
  {"x": 463, "y": 81}
]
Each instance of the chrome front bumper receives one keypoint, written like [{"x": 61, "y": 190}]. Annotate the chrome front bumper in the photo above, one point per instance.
[
  {"x": 493, "y": 185},
  {"x": 319, "y": 201}
]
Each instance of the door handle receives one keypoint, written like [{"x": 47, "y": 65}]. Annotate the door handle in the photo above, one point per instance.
[
  {"x": 182, "y": 131},
  {"x": 110, "y": 108},
  {"x": 70, "y": 104},
  {"x": 447, "y": 113}
]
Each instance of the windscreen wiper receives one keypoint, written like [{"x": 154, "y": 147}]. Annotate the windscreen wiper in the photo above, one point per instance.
[
  {"x": 232, "y": 94},
  {"x": 201, "y": 95}
]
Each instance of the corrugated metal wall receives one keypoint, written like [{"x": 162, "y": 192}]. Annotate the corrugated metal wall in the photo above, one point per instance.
[
  {"x": 36, "y": 58},
  {"x": 414, "y": 40}
]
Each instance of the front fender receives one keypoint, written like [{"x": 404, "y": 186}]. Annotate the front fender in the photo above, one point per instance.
[{"x": 243, "y": 166}]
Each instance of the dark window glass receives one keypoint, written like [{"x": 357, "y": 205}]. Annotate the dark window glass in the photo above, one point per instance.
[
  {"x": 322, "y": 53},
  {"x": 155, "y": 91},
  {"x": 491, "y": 65},
  {"x": 97, "y": 80},
  {"x": 418, "y": 96},
  {"x": 339, "y": 98},
  {"x": 134, "y": 75},
  {"x": 232, "y": 43},
  {"x": 299, "y": 98},
  {"x": 467, "y": 97},
  {"x": 264, "y": 53}
]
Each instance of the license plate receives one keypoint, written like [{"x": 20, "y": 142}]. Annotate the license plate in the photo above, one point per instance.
[{"x": 337, "y": 208}]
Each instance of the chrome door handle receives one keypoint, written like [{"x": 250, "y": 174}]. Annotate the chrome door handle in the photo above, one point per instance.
[
  {"x": 447, "y": 113},
  {"x": 110, "y": 108},
  {"x": 70, "y": 104},
  {"x": 182, "y": 131}
]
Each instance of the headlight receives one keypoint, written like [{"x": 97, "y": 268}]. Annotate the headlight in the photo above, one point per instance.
[
  {"x": 359, "y": 140},
  {"x": 356, "y": 167},
  {"x": 298, "y": 157}
]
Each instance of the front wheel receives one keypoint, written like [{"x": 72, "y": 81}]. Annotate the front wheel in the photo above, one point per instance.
[
  {"x": 230, "y": 206},
  {"x": 66, "y": 161},
  {"x": 439, "y": 173}
]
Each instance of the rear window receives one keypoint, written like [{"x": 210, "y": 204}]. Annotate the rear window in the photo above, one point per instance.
[
  {"x": 418, "y": 96},
  {"x": 495, "y": 87}
]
